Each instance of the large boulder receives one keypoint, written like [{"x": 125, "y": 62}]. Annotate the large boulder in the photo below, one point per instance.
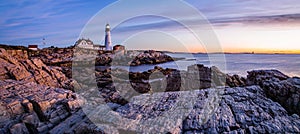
[
  {"x": 278, "y": 87},
  {"x": 150, "y": 57},
  {"x": 259, "y": 76}
]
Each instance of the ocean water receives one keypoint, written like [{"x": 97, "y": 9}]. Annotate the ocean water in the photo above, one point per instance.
[{"x": 232, "y": 63}]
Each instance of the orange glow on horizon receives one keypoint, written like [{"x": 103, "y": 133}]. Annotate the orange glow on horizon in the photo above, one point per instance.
[
  {"x": 267, "y": 51},
  {"x": 249, "y": 50}
]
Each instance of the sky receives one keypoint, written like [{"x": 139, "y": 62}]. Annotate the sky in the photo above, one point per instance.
[{"x": 266, "y": 26}]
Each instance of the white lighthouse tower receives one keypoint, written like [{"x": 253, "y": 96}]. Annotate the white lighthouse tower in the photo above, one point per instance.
[{"x": 108, "y": 44}]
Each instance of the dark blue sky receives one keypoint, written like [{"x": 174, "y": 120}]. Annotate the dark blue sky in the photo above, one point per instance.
[{"x": 26, "y": 22}]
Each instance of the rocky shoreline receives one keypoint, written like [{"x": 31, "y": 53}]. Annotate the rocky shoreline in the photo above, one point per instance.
[
  {"x": 63, "y": 57},
  {"x": 39, "y": 96}
]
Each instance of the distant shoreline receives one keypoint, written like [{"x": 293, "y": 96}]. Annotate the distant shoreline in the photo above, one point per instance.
[{"x": 274, "y": 53}]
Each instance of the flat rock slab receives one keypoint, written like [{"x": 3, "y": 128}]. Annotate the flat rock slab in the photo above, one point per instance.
[{"x": 237, "y": 110}]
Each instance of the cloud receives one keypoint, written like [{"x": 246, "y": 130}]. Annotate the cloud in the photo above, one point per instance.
[
  {"x": 160, "y": 23},
  {"x": 28, "y": 21},
  {"x": 285, "y": 19},
  {"x": 241, "y": 8},
  {"x": 61, "y": 22}
]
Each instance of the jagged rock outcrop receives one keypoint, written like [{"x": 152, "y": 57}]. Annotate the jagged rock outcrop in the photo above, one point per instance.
[
  {"x": 235, "y": 81},
  {"x": 150, "y": 57},
  {"x": 196, "y": 77},
  {"x": 245, "y": 110},
  {"x": 278, "y": 87},
  {"x": 30, "y": 70},
  {"x": 133, "y": 58},
  {"x": 62, "y": 57},
  {"x": 54, "y": 56},
  {"x": 27, "y": 107},
  {"x": 18, "y": 52},
  {"x": 119, "y": 85},
  {"x": 237, "y": 110},
  {"x": 104, "y": 59},
  {"x": 259, "y": 76}
]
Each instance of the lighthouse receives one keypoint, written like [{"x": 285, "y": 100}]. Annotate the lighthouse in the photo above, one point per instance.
[{"x": 108, "y": 44}]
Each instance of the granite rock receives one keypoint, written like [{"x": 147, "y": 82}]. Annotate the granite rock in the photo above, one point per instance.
[
  {"x": 30, "y": 70},
  {"x": 27, "y": 107},
  {"x": 237, "y": 110},
  {"x": 278, "y": 87},
  {"x": 35, "y": 98}
]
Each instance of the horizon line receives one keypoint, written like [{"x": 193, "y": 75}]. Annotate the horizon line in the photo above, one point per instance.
[{"x": 251, "y": 51}]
